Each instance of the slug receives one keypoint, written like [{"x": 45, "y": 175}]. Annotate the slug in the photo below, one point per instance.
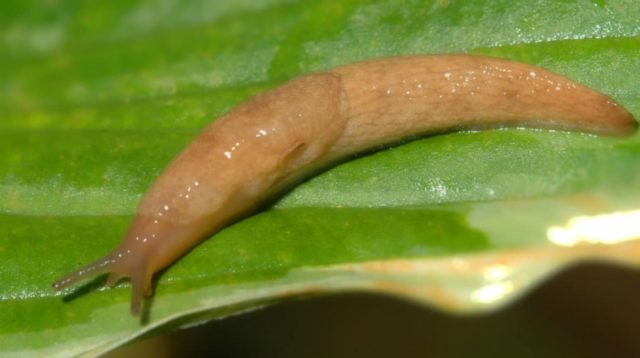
[{"x": 277, "y": 138}]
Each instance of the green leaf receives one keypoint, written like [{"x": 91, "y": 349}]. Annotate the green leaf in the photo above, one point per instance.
[{"x": 97, "y": 97}]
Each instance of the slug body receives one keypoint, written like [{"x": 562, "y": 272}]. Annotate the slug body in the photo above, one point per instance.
[{"x": 273, "y": 140}]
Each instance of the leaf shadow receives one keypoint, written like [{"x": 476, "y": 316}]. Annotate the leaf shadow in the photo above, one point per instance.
[{"x": 86, "y": 288}]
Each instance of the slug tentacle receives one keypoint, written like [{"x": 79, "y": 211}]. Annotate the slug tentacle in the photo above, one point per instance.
[
  {"x": 271, "y": 142},
  {"x": 136, "y": 295},
  {"x": 100, "y": 266},
  {"x": 140, "y": 287},
  {"x": 114, "y": 278},
  {"x": 139, "y": 275}
]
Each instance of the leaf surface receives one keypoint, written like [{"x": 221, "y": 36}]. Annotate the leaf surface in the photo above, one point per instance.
[{"x": 96, "y": 99}]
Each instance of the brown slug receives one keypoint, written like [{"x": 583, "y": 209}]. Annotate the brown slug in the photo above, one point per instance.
[{"x": 268, "y": 143}]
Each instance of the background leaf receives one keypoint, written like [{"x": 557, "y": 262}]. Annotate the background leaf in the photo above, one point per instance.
[{"x": 96, "y": 99}]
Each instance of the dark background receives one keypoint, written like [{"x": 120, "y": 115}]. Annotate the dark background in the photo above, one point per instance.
[{"x": 591, "y": 310}]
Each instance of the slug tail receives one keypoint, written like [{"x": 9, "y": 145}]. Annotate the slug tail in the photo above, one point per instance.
[{"x": 93, "y": 269}]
